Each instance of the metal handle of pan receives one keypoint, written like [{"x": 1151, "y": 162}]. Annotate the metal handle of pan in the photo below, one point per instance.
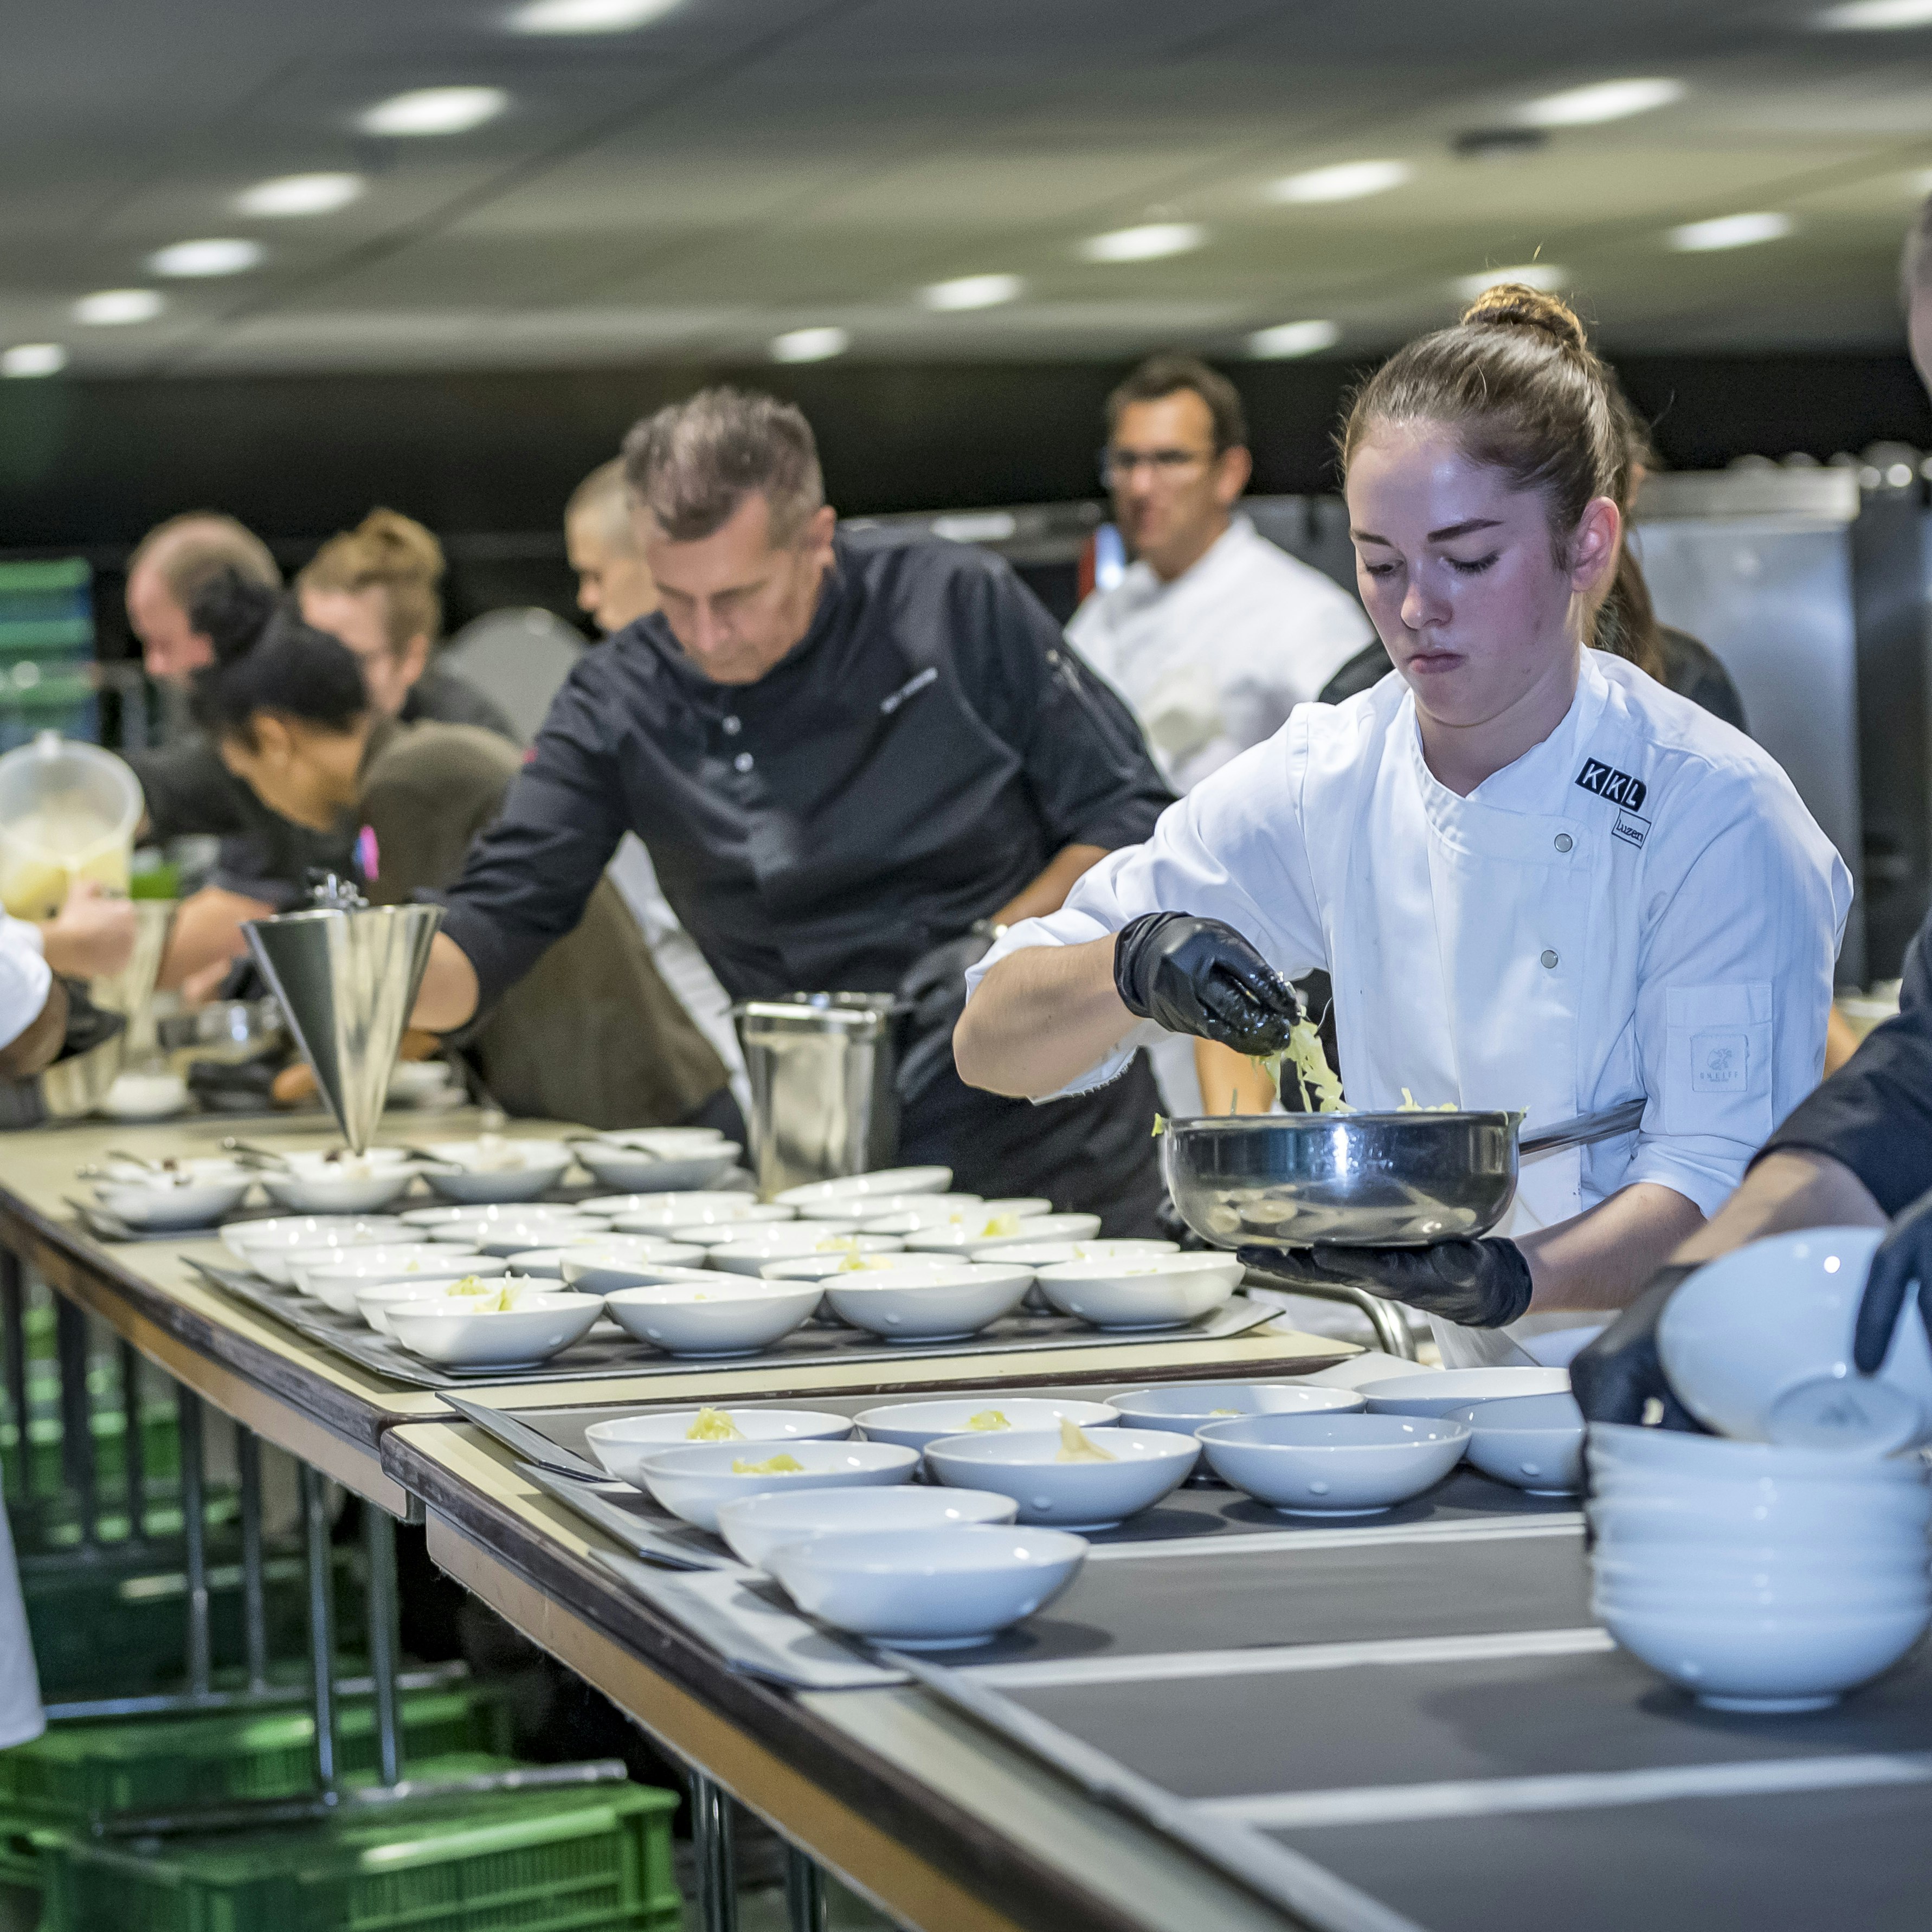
[{"x": 1586, "y": 1129}]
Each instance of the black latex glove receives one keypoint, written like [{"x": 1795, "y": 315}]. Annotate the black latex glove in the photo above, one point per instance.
[
  {"x": 935, "y": 991},
  {"x": 1476, "y": 1284},
  {"x": 1200, "y": 977},
  {"x": 1903, "y": 1262},
  {"x": 1618, "y": 1377}
]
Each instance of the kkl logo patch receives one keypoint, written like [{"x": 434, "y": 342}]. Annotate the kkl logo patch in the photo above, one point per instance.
[{"x": 1619, "y": 787}]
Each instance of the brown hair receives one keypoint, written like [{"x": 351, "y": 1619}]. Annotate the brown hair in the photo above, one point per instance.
[
  {"x": 694, "y": 462},
  {"x": 1518, "y": 380},
  {"x": 1167, "y": 375},
  {"x": 605, "y": 495},
  {"x": 391, "y": 553},
  {"x": 192, "y": 549}
]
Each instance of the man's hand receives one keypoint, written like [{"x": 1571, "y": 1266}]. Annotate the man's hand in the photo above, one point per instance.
[
  {"x": 1618, "y": 1377},
  {"x": 447, "y": 998},
  {"x": 1903, "y": 1262},
  {"x": 1476, "y": 1284},
  {"x": 92, "y": 934},
  {"x": 1200, "y": 977}
]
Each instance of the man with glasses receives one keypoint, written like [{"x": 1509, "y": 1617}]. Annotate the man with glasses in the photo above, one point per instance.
[{"x": 1213, "y": 634}]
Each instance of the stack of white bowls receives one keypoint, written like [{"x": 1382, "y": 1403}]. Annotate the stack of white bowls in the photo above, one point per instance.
[{"x": 1774, "y": 1566}]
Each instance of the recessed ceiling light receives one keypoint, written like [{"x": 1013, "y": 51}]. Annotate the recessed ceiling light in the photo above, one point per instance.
[
  {"x": 972, "y": 292},
  {"x": 1346, "y": 181},
  {"x": 435, "y": 110},
  {"x": 229, "y": 256},
  {"x": 116, "y": 308},
  {"x": 33, "y": 358},
  {"x": 1287, "y": 340},
  {"x": 810, "y": 345},
  {"x": 585, "y": 16},
  {"x": 1876, "y": 16},
  {"x": 1730, "y": 231},
  {"x": 300, "y": 194},
  {"x": 1147, "y": 243},
  {"x": 1544, "y": 275},
  {"x": 1602, "y": 101}
]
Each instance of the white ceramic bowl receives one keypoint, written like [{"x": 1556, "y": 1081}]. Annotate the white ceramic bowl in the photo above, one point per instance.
[
  {"x": 666, "y": 1143},
  {"x": 1796, "y": 1577},
  {"x": 1052, "y": 1254},
  {"x": 1534, "y": 1442},
  {"x": 640, "y": 1170},
  {"x": 194, "y": 1199},
  {"x": 890, "y": 1254},
  {"x": 970, "y": 1237},
  {"x": 928, "y": 1589},
  {"x": 398, "y": 1258},
  {"x": 1185, "y": 1407},
  {"x": 1768, "y": 1664},
  {"x": 621, "y": 1444},
  {"x": 1141, "y": 1292},
  {"x": 454, "y": 1333},
  {"x": 1758, "y": 1346},
  {"x": 927, "y": 1304},
  {"x": 1343, "y": 1464},
  {"x": 337, "y": 1182},
  {"x": 374, "y": 1303},
  {"x": 914, "y": 1424},
  {"x": 693, "y": 1479},
  {"x": 1705, "y": 1514},
  {"x": 791, "y": 1241},
  {"x": 718, "y": 1315},
  {"x": 668, "y": 1206},
  {"x": 605, "y": 1270},
  {"x": 251, "y": 1242},
  {"x": 337, "y": 1285},
  {"x": 931, "y": 1209},
  {"x": 447, "y": 1214},
  {"x": 413, "y": 1082},
  {"x": 755, "y": 1527},
  {"x": 1437, "y": 1391},
  {"x": 886, "y": 1181},
  {"x": 1675, "y": 1456},
  {"x": 1024, "y": 1464},
  {"x": 634, "y": 1248},
  {"x": 135, "y": 1095},
  {"x": 514, "y": 1235},
  {"x": 496, "y": 1170},
  {"x": 711, "y": 1218}
]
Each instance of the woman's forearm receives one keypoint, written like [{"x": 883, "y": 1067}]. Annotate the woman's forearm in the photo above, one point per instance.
[
  {"x": 1601, "y": 1258},
  {"x": 1042, "y": 1017}
]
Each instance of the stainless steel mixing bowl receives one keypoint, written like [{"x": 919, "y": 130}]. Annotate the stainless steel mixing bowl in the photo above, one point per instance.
[{"x": 1397, "y": 1180}]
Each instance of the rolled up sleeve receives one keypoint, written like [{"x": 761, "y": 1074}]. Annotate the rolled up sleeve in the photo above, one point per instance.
[
  {"x": 25, "y": 979},
  {"x": 1733, "y": 994}
]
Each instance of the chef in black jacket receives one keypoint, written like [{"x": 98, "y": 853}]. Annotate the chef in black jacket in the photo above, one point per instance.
[
  {"x": 1857, "y": 1152},
  {"x": 853, "y": 754}
]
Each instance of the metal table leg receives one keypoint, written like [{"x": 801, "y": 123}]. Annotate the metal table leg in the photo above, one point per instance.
[
  {"x": 321, "y": 1628},
  {"x": 717, "y": 1864},
  {"x": 254, "y": 1607},
  {"x": 378, "y": 1535},
  {"x": 804, "y": 1893},
  {"x": 14, "y": 1313},
  {"x": 134, "y": 1443},
  {"x": 76, "y": 1410},
  {"x": 194, "y": 1538}
]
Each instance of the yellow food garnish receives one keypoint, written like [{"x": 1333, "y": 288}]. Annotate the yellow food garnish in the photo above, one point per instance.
[
  {"x": 472, "y": 1284},
  {"x": 1410, "y": 1105},
  {"x": 988, "y": 1418},
  {"x": 492, "y": 1300},
  {"x": 1076, "y": 1446},
  {"x": 1000, "y": 1224},
  {"x": 780, "y": 1465},
  {"x": 837, "y": 1244},
  {"x": 1224, "y": 1411},
  {"x": 1160, "y": 1123},
  {"x": 1313, "y": 1073},
  {"x": 714, "y": 1425}
]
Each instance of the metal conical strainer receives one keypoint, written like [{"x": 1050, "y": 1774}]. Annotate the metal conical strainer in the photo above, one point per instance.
[{"x": 346, "y": 974}]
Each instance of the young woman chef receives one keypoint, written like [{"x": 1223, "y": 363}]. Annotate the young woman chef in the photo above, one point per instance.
[{"x": 1538, "y": 880}]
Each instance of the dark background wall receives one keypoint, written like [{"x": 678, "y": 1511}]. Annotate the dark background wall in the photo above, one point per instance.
[{"x": 488, "y": 459}]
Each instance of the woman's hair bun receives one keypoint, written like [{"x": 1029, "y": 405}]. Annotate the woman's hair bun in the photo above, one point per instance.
[
  {"x": 232, "y": 613},
  {"x": 391, "y": 544},
  {"x": 1517, "y": 305}
]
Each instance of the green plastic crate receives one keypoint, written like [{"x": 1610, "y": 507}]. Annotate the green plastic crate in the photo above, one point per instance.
[
  {"x": 593, "y": 1860},
  {"x": 76, "y": 1770}
]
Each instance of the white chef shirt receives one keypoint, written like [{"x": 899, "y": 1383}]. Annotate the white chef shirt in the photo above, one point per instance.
[
  {"x": 1639, "y": 904},
  {"x": 25, "y": 978},
  {"x": 1214, "y": 662}
]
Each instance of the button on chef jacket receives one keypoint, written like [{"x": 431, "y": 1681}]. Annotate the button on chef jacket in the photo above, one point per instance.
[
  {"x": 1639, "y": 905},
  {"x": 1214, "y": 662},
  {"x": 921, "y": 754}
]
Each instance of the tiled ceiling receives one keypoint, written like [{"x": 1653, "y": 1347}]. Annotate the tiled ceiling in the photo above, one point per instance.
[{"x": 698, "y": 186}]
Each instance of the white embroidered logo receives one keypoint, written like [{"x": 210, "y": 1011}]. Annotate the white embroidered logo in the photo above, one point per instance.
[{"x": 1720, "y": 1062}]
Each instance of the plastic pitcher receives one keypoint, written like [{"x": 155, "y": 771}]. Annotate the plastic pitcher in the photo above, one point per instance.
[{"x": 68, "y": 811}]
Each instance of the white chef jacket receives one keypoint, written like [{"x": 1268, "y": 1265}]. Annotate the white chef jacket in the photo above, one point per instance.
[
  {"x": 24, "y": 983},
  {"x": 1640, "y": 905},
  {"x": 1214, "y": 662}
]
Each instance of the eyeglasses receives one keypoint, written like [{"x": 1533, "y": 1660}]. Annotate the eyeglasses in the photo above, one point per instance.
[{"x": 1117, "y": 466}]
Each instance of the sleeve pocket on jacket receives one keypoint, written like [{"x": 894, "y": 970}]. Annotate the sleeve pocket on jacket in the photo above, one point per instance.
[{"x": 1718, "y": 1061}]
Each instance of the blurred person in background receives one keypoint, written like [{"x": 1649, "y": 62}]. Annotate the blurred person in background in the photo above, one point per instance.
[
  {"x": 614, "y": 589},
  {"x": 854, "y": 756},
  {"x": 378, "y": 587},
  {"x": 591, "y": 1034},
  {"x": 1213, "y": 635}
]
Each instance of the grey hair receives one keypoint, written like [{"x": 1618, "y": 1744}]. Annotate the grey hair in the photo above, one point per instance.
[
  {"x": 694, "y": 462},
  {"x": 605, "y": 496},
  {"x": 1915, "y": 265}
]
